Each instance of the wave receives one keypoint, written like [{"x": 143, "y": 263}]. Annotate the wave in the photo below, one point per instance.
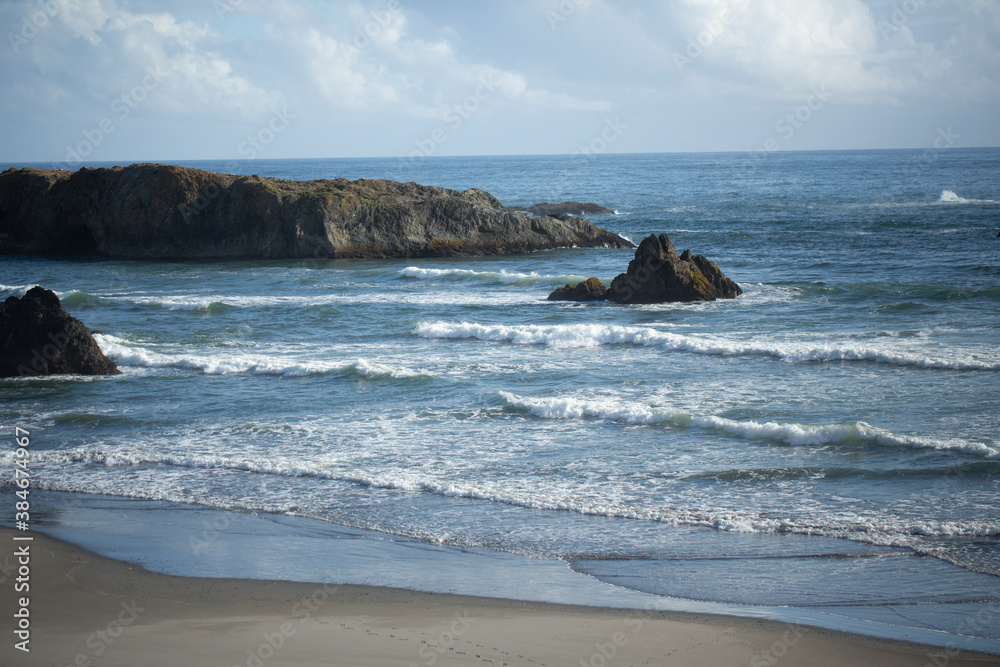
[
  {"x": 15, "y": 290},
  {"x": 855, "y": 434},
  {"x": 503, "y": 276},
  {"x": 886, "y": 530},
  {"x": 968, "y": 470},
  {"x": 594, "y": 335},
  {"x": 90, "y": 419},
  {"x": 898, "y": 292},
  {"x": 71, "y": 299},
  {"x": 949, "y": 197},
  {"x": 77, "y": 299},
  {"x": 127, "y": 354},
  {"x": 219, "y": 303}
]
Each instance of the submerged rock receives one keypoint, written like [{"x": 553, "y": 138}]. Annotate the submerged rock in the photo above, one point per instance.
[
  {"x": 565, "y": 208},
  {"x": 658, "y": 274},
  {"x": 160, "y": 211},
  {"x": 590, "y": 289},
  {"x": 38, "y": 337}
]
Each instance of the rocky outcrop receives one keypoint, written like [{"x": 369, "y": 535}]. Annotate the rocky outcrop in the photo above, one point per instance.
[
  {"x": 565, "y": 208},
  {"x": 159, "y": 211},
  {"x": 658, "y": 274},
  {"x": 590, "y": 289},
  {"x": 38, "y": 337}
]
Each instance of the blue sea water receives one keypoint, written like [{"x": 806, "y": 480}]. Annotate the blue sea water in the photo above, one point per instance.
[{"x": 837, "y": 423}]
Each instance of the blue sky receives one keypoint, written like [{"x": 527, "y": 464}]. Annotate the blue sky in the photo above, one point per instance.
[{"x": 130, "y": 80}]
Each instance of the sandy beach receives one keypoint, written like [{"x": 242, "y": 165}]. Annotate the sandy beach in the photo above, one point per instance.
[{"x": 90, "y": 610}]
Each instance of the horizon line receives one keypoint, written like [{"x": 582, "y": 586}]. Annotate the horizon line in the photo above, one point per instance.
[{"x": 414, "y": 160}]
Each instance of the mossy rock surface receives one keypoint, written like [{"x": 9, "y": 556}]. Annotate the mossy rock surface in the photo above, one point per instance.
[
  {"x": 658, "y": 274},
  {"x": 151, "y": 211}
]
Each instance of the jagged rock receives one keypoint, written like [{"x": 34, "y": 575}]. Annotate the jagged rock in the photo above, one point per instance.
[
  {"x": 565, "y": 208},
  {"x": 590, "y": 289},
  {"x": 160, "y": 211},
  {"x": 658, "y": 274},
  {"x": 38, "y": 337}
]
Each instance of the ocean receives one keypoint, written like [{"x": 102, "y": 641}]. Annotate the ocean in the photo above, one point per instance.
[{"x": 828, "y": 441}]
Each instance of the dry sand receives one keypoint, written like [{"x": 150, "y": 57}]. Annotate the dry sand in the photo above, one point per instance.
[{"x": 90, "y": 610}]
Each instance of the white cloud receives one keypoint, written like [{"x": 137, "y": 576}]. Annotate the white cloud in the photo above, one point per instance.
[
  {"x": 86, "y": 18},
  {"x": 780, "y": 49},
  {"x": 329, "y": 62},
  {"x": 391, "y": 70},
  {"x": 373, "y": 64},
  {"x": 109, "y": 49}
]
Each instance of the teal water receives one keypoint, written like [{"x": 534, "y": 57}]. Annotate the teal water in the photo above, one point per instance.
[{"x": 837, "y": 423}]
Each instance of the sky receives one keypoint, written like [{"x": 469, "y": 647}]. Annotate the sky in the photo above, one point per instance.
[{"x": 139, "y": 80}]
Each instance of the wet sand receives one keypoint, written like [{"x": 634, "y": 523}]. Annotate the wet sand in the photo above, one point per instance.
[{"x": 89, "y": 610}]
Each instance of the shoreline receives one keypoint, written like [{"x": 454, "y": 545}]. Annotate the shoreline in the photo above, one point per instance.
[
  {"x": 86, "y": 606},
  {"x": 153, "y": 549}
]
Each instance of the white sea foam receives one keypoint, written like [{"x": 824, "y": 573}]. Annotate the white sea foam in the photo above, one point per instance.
[
  {"x": 949, "y": 197},
  {"x": 853, "y": 434},
  {"x": 19, "y": 290},
  {"x": 873, "y": 527},
  {"x": 195, "y": 302},
  {"x": 593, "y": 335},
  {"x": 127, "y": 354},
  {"x": 503, "y": 276}
]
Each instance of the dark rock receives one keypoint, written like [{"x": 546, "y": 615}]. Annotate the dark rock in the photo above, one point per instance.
[
  {"x": 658, "y": 274},
  {"x": 590, "y": 289},
  {"x": 38, "y": 337},
  {"x": 565, "y": 208},
  {"x": 160, "y": 211}
]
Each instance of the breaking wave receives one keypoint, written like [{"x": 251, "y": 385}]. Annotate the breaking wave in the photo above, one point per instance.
[
  {"x": 594, "y": 335},
  {"x": 949, "y": 197},
  {"x": 502, "y": 277},
  {"x": 228, "y": 363},
  {"x": 855, "y": 434}
]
